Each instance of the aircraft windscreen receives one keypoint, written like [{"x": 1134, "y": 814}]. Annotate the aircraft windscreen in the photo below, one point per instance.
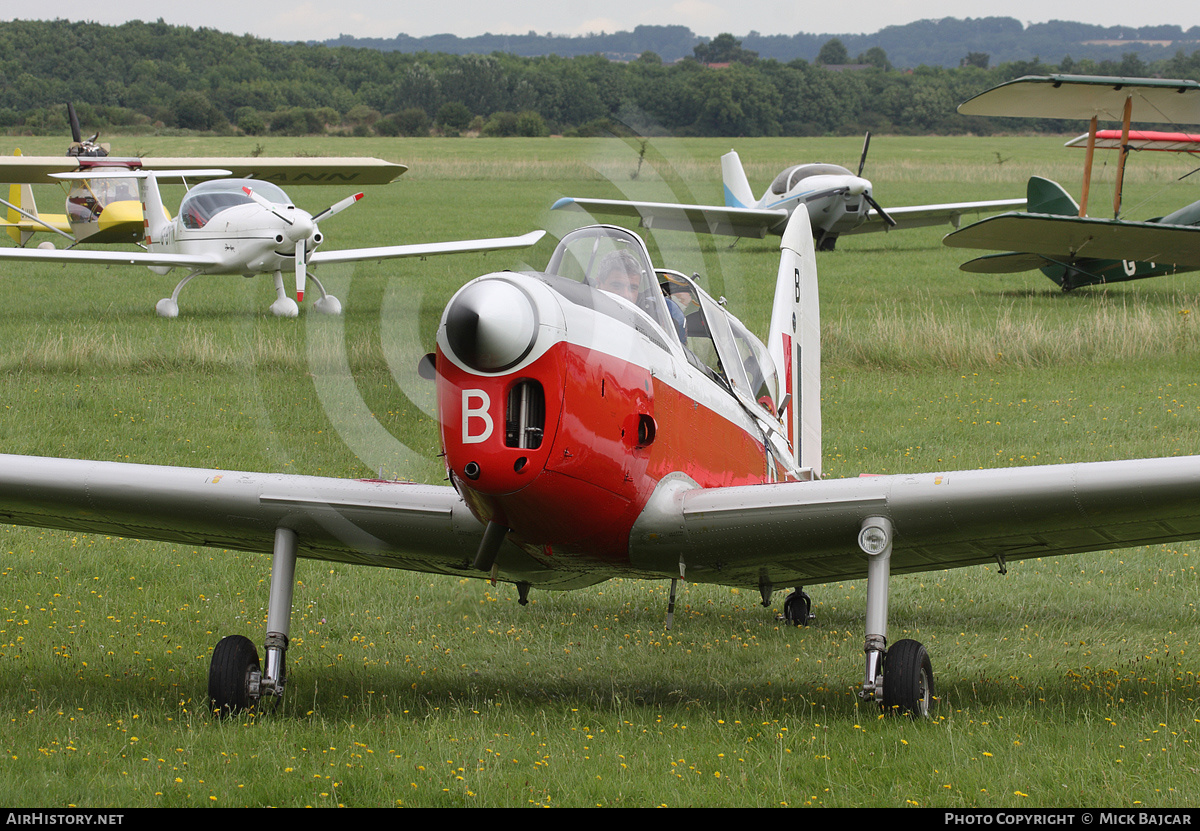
[
  {"x": 88, "y": 197},
  {"x": 789, "y": 178},
  {"x": 207, "y": 199},
  {"x": 614, "y": 261}
]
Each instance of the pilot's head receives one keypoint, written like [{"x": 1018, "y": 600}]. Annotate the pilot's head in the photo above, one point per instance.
[{"x": 620, "y": 274}]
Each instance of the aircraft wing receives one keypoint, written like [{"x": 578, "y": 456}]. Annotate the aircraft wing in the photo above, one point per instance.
[
  {"x": 1084, "y": 96},
  {"x": 426, "y": 249},
  {"x": 704, "y": 219},
  {"x": 921, "y": 216},
  {"x": 1067, "y": 237},
  {"x": 1010, "y": 262},
  {"x": 1141, "y": 140},
  {"x": 281, "y": 171},
  {"x": 74, "y": 255},
  {"x": 387, "y": 524},
  {"x": 800, "y": 533},
  {"x": 297, "y": 170}
]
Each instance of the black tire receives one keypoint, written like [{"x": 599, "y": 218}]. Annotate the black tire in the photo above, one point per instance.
[
  {"x": 907, "y": 679},
  {"x": 797, "y": 608},
  {"x": 234, "y": 658}
]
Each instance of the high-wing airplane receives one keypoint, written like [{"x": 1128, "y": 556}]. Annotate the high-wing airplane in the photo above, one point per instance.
[
  {"x": 239, "y": 226},
  {"x": 105, "y": 208},
  {"x": 838, "y": 202},
  {"x": 1056, "y": 235},
  {"x": 587, "y": 437}
]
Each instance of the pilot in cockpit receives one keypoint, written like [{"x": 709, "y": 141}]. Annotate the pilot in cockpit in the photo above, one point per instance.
[{"x": 620, "y": 274}]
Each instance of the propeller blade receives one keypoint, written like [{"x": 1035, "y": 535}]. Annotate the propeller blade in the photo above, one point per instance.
[
  {"x": 76, "y": 133},
  {"x": 301, "y": 272},
  {"x": 862, "y": 162},
  {"x": 266, "y": 203},
  {"x": 338, "y": 207},
  {"x": 879, "y": 210}
]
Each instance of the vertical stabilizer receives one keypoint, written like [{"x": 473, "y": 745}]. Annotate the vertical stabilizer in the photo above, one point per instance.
[
  {"x": 795, "y": 340},
  {"x": 737, "y": 187},
  {"x": 1046, "y": 197},
  {"x": 20, "y": 196},
  {"x": 155, "y": 215}
]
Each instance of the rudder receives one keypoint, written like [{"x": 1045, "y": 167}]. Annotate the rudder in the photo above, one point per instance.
[{"x": 795, "y": 341}]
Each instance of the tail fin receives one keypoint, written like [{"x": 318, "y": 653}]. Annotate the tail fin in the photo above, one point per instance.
[
  {"x": 737, "y": 186},
  {"x": 1046, "y": 197},
  {"x": 152, "y": 210},
  {"x": 795, "y": 341},
  {"x": 20, "y": 196}
]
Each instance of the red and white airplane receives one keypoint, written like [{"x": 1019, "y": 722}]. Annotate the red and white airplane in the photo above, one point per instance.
[{"x": 592, "y": 432}]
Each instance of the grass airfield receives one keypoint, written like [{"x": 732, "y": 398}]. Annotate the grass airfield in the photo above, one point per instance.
[{"x": 1066, "y": 682}]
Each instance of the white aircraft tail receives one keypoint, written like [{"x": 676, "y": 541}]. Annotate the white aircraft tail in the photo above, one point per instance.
[
  {"x": 737, "y": 186},
  {"x": 795, "y": 341},
  {"x": 154, "y": 213}
]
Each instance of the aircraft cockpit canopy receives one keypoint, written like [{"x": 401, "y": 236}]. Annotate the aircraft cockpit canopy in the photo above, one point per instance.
[
  {"x": 787, "y": 180},
  {"x": 615, "y": 261},
  {"x": 87, "y": 198},
  {"x": 207, "y": 199}
]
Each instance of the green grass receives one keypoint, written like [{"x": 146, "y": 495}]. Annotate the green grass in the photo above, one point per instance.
[{"x": 1066, "y": 682}]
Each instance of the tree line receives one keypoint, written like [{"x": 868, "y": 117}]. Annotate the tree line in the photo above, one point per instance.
[{"x": 154, "y": 76}]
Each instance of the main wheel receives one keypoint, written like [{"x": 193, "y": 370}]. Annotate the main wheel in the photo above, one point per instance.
[
  {"x": 233, "y": 661},
  {"x": 797, "y": 608},
  {"x": 907, "y": 679}
]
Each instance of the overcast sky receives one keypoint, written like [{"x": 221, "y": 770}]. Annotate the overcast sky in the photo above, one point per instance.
[{"x": 387, "y": 18}]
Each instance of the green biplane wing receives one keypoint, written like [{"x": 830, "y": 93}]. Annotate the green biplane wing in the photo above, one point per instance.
[{"x": 1065, "y": 238}]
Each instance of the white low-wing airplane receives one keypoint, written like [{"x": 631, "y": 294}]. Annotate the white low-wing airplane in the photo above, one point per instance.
[
  {"x": 240, "y": 226},
  {"x": 587, "y": 436},
  {"x": 838, "y": 202}
]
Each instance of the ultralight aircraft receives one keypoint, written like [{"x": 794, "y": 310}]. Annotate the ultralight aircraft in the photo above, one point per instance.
[
  {"x": 588, "y": 436},
  {"x": 239, "y": 226},
  {"x": 838, "y": 202},
  {"x": 106, "y": 209}
]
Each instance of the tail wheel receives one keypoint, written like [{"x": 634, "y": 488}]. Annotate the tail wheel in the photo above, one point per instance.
[
  {"x": 233, "y": 676},
  {"x": 907, "y": 679},
  {"x": 797, "y": 609}
]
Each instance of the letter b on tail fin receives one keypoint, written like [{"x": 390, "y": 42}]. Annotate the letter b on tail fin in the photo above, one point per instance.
[{"x": 795, "y": 341}]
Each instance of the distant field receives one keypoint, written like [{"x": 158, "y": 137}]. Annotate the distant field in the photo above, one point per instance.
[{"x": 1067, "y": 682}]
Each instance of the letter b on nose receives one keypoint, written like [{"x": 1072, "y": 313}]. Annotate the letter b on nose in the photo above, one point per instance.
[{"x": 475, "y": 404}]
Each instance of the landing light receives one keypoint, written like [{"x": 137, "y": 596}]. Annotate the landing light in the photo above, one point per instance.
[{"x": 873, "y": 539}]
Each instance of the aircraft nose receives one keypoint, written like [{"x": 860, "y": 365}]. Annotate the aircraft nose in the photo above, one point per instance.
[
  {"x": 302, "y": 226},
  {"x": 491, "y": 325},
  {"x": 859, "y": 186}
]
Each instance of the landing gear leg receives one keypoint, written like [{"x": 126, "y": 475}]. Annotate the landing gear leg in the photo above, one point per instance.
[
  {"x": 283, "y": 306},
  {"x": 236, "y": 681},
  {"x": 169, "y": 306},
  {"x": 900, "y": 678},
  {"x": 326, "y": 304}
]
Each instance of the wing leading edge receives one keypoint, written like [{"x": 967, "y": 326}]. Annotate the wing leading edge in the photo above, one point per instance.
[
  {"x": 923, "y": 216},
  {"x": 802, "y": 533},
  {"x": 388, "y": 524},
  {"x": 1067, "y": 237},
  {"x": 704, "y": 219}
]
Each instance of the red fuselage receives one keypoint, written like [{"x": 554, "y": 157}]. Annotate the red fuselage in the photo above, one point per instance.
[{"x": 565, "y": 446}]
